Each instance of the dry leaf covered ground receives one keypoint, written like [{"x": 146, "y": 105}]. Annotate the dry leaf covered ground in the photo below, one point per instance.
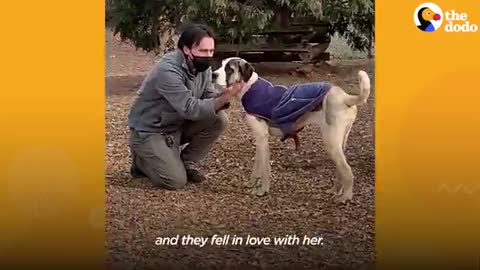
[{"x": 137, "y": 213}]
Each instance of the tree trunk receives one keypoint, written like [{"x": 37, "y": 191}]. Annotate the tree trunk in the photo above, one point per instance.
[{"x": 370, "y": 46}]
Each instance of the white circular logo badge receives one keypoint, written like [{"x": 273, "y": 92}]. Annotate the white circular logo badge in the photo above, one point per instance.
[{"x": 428, "y": 17}]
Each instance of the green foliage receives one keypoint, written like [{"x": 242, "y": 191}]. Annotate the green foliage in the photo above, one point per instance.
[
  {"x": 145, "y": 21},
  {"x": 354, "y": 20},
  {"x": 142, "y": 21},
  {"x": 233, "y": 21}
]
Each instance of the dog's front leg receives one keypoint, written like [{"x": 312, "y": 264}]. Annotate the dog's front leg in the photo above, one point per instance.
[
  {"x": 260, "y": 178},
  {"x": 262, "y": 157},
  {"x": 256, "y": 173}
]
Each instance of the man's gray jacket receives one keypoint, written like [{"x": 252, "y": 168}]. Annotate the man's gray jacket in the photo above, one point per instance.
[{"x": 171, "y": 94}]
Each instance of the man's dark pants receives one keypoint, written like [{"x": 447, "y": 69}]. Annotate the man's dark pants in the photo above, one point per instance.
[{"x": 158, "y": 156}]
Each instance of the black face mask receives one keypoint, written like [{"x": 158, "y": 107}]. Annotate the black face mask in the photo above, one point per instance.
[{"x": 201, "y": 63}]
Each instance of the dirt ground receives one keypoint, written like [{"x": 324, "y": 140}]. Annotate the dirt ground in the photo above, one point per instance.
[{"x": 137, "y": 213}]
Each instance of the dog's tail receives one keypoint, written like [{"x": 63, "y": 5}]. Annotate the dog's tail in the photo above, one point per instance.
[{"x": 364, "y": 83}]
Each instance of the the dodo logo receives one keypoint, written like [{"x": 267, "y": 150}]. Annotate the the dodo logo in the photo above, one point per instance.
[{"x": 429, "y": 17}]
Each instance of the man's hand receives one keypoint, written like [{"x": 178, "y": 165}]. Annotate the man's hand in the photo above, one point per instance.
[
  {"x": 235, "y": 88},
  {"x": 227, "y": 94}
]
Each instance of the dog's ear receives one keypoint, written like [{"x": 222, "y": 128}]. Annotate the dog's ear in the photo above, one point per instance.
[{"x": 246, "y": 69}]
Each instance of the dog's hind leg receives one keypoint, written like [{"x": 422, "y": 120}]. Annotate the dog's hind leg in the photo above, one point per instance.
[
  {"x": 337, "y": 188},
  {"x": 333, "y": 137},
  {"x": 345, "y": 137}
]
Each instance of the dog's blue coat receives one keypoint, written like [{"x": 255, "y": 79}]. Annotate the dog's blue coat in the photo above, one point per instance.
[
  {"x": 262, "y": 98},
  {"x": 281, "y": 105}
]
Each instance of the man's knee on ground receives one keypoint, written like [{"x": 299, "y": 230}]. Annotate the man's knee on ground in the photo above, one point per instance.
[{"x": 172, "y": 182}]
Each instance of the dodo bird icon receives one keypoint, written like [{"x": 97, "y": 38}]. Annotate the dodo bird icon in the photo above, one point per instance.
[{"x": 428, "y": 20}]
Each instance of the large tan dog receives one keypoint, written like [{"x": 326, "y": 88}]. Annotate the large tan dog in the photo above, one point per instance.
[{"x": 335, "y": 115}]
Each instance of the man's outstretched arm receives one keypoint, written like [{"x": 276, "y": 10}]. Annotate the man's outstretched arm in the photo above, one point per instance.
[{"x": 170, "y": 85}]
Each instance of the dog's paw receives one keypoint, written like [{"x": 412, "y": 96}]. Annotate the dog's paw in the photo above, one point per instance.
[
  {"x": 336, "y": 191},
  {"x": 259, "y": 192},
  {"x": 249, "y": 184},
  {"x": 344, "y": 198}
]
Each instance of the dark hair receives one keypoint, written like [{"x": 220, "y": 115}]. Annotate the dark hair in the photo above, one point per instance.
[{"x": 193, "y": 34}]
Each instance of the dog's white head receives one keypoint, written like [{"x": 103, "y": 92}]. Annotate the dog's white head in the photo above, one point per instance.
[{"x": 233, "y": 70}]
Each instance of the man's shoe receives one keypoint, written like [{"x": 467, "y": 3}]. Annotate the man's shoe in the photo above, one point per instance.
[{"x": 195, "y": 176}]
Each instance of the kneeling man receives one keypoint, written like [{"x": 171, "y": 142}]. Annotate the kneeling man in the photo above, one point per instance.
[{"x": 177, "y": 104}]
